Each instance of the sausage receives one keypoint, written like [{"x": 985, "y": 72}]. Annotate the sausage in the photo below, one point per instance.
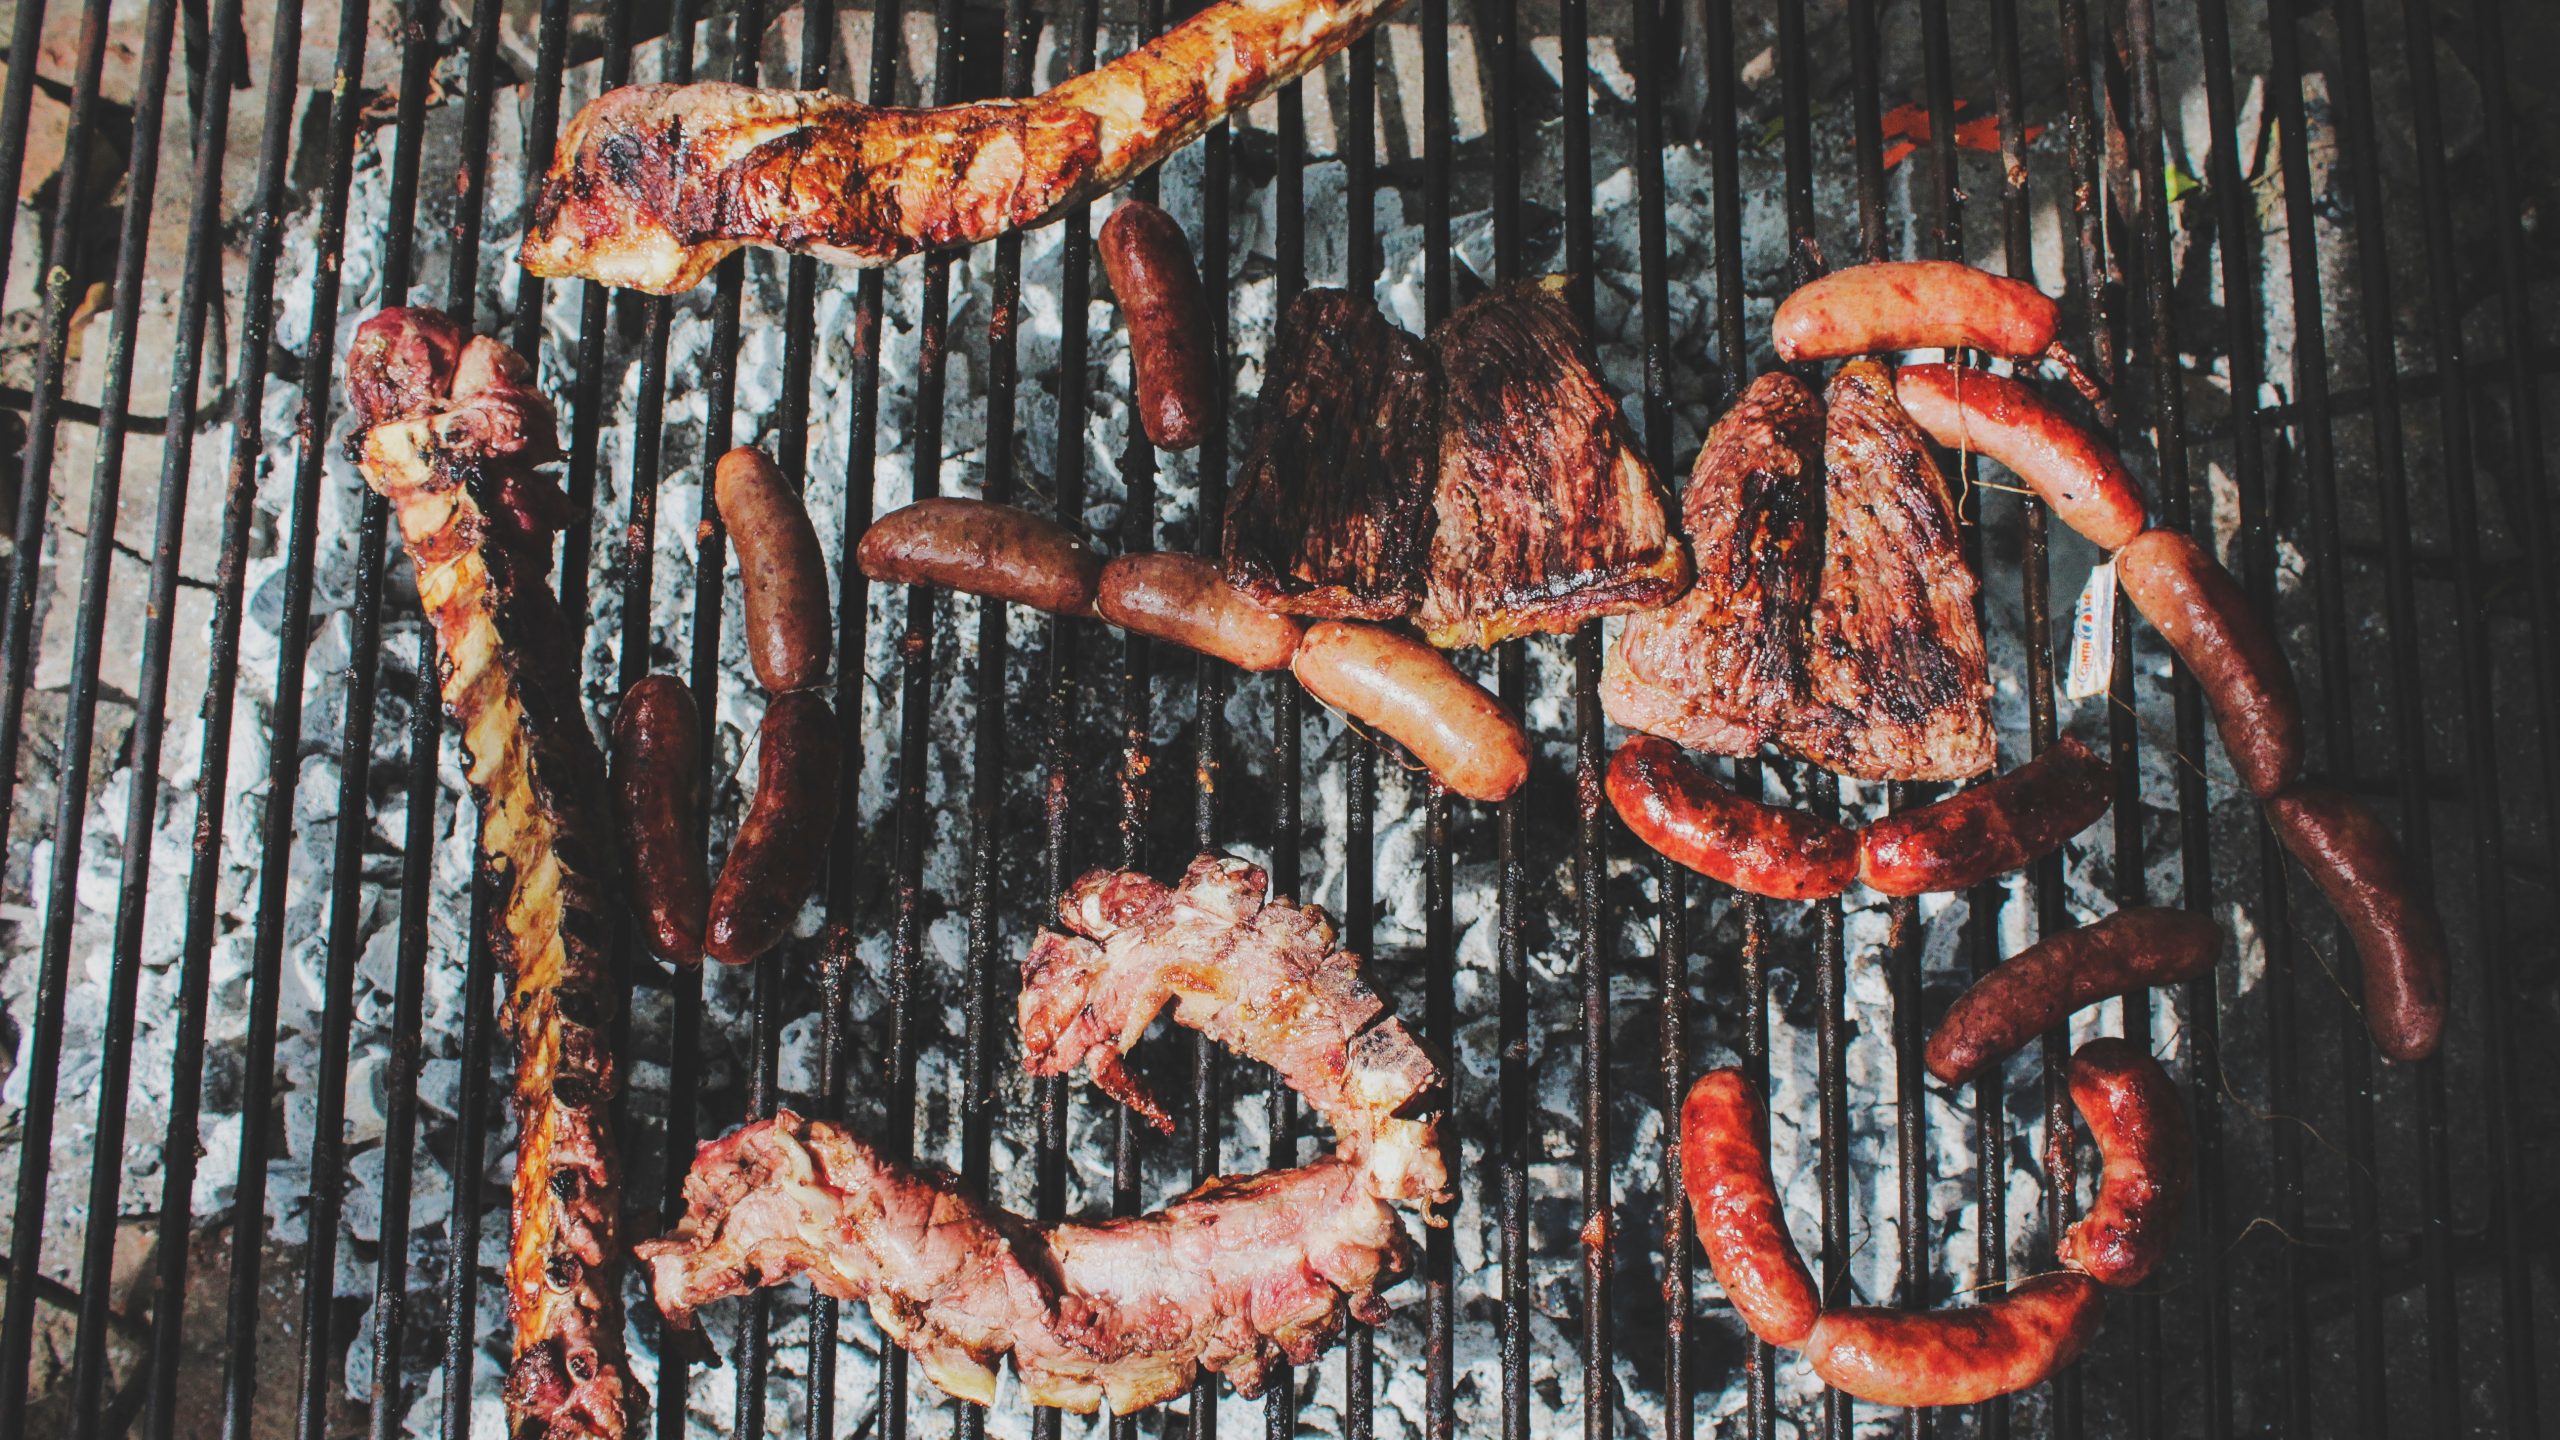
[
  {"x": 2398, "y": 940},
  {"x": 999, "y": 551},
  {"x": 1742, "y": 1225},
  {"x": 2199, "y": 609},
  {"x": 2133, "y": 1112},
  {"x": 2040, "y": 986},
  {"x": 789, "y": 638},
  {"x": 1913, "y": 305},
  {"x": 1185, "y": 599},
  {"x": 2073, "y": 470},
  {"x": 1957, "y": 1356},
  {"x": 1411, "y": 692},
  {"x": 1988, "y": 830},
  {"x": 776, "y": 857},
  {"x": 657, "y": 805},
  {"x": 1171, "y": 349},
  {"x": 1680, "y": 810}
]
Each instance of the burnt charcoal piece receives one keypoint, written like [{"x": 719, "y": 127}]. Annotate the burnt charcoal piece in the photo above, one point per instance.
[
  {"x": 1548, "y": 513},
  {"x": 1331, "y": 514}
]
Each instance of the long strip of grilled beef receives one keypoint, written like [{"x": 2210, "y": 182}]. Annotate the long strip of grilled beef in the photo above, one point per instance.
[
  {"x": 653, "y": 185},
  {"x": 1898, "y": 686},
  {"x": 1548, "y": 513},
  {"x": 1720, "y": 669},
  {"x": 453, "y": 433},
  {"x": 1331, "y": 515}
]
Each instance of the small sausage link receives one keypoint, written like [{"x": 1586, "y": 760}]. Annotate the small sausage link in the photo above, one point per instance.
[
  {"x": 1185, "y": 599},
  {"x": 2073, "y": 470},
  {"x": 657, "y": 805},
  {"x": 1990, "y": 829},
  {"x": 1171, "y": 350},
  {"x": 2399, "y": 942},
  {"x": 784, "y": 574},
  {"x": 1412, "y": 694},
  {"x": 1742, "y": 1223},
  {"x": 1913, "y": 305},
  {"x": 775, "y": 858},
  {"x": 984, "y": 548},
  {"x": 2133, "y": 1112},
  {"x": 1680, "y": 810},
  {"x": 2200, "y": 610},
  {"x": 1958, "y": 1356},
  {"x": 2040, "y": 986}
]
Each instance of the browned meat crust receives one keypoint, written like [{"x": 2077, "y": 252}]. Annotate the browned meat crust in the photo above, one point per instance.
[
  {"x": 1331, "y": 513},
  {"x": 1548, "y": 513}
]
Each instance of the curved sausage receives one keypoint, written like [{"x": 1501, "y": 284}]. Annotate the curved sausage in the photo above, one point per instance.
[
  {"x": 1913, "y": 305},
  {"x": 2073, "y": 470},
  {"x": 2133, "y": 1112},
  {"x": 1171, "y": 350},
  {"x": 657, "y": 805},
  {"x": 2040, "y": 986},
  {"x": 1185, "y": 599},
  {"x": 1958, "y": 1356},
  {"x": 1742, "y": 1224},
  {"x": 1417, "y": 698},
  {"x": 1680, "y": 810},
  {"x": 789, "y": 633},
  {"x": 984, "y": 548},
  {"x": 2199, "y": 609},
  {"x": 1988, "y": 830},
  {"x": 2398, "y": 941},
  {"x": 775, "y": 859}
]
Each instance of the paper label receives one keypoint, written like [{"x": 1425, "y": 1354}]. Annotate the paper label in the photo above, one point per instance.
[{"x": 2093, "y": 636}]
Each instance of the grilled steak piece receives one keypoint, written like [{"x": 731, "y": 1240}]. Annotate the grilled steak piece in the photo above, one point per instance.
[
  {"x": 1548, "y": 513},
  {"x": 1722, "y": 669},
  {"x": 1899, "y": 689},
  {"x": 1332, "y": 513}
]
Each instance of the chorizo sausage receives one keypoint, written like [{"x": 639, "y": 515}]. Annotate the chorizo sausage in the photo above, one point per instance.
[
  {"x": 2040, "y": 986},
  {"x": 1171, "y": 351},
  {"x": 999, "y": 551},
  {"x": 1961, "y": 1355},
  {"x": 775, "y": 858},
  {"x": 784, "y": 574},
  {"x": 1742, "y": 1224},
  {"x": 1411, "y": 692},
  {"x": 1185, "y": 599},
  {"x": 2399, "y": 942},
  {"x": 657, "y": 805},
  {"x": 1913, "y": 305},
  {"x": 2199, "y": 609},
  {"x": 2071, "y": 469},
  {"x": 1680, "y": 810},
  {"x": 2133, "y": 1112},
  {"x": 1990, "y": 829}
]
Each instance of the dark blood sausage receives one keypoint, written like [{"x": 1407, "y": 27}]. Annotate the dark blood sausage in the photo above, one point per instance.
[
  {"x": 1989, "y": 830},
  {"x": 790, "y": 630},
  {"x": 2199, "y": 609},
  {"x": 984, "y": 548},
  {"x": 1957, "y": 1356},
  {"x": 1680, "y": 810},
  {"x": 1413, "y": 695},
  {"x": 1913, "y": 305},
  {"x": 657, "y": 804},
  {"x": 2133, "y": 1112},
  {"x": 1174, "y": 356},
  {"x": 2040, "y": 986},
  {"x": 2072, "y": 470},
  {"x": 2398, "y": 941},
  {"x": 1742, "y": 1224},
  {"x": 1185, "y": 599},
  {"x": 775, "y": 859}
]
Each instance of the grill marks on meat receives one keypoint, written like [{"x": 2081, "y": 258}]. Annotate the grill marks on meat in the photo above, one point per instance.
[
  {"x": 1331, "y": 514},
  {"x": 454, "y": 433},
  {"x": 1548, "y": 513}
]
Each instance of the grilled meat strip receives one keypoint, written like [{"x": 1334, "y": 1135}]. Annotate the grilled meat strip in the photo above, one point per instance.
[
  {"x": 1721, "y": 669},
  {"x": 1899, "y": 689},
  {"x": 1548, "y": 513},
  {"x": 653, "y": 185},
  {"x": 1332, "y": 514},
  {"x": 453, "y": 433}
]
